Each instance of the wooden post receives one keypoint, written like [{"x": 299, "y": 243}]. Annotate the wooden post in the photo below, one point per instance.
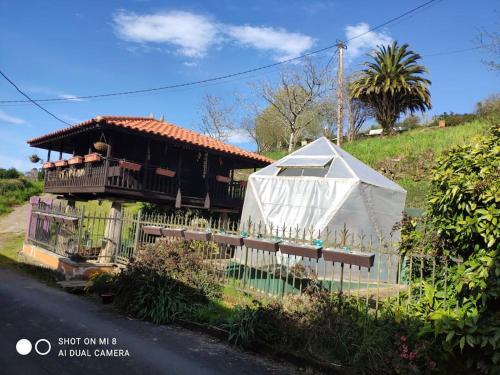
[
  {"x": 147, "y": 157},
  {"x": 340, "y": 94},
  {"x": 178, "y": 198},
  {"x": 137, "y": 230},
  {"x": 106, "y": 163},
  {"x": 207, "y": 181},
  {"x": 111, "y": 233},
  {"x": 48, "y": 154}
]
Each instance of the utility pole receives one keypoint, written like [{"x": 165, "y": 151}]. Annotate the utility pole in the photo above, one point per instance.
[{"x": 340, "y": 94}]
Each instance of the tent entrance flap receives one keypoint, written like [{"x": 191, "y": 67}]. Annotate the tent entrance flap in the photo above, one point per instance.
[{"x": 305, "y": 162}]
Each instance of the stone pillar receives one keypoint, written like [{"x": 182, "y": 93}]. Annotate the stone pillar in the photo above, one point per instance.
[{"x": 112, "y": 233}]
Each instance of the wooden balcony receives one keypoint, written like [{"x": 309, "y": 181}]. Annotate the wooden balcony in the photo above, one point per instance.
[{"x": 115, "y": 178}]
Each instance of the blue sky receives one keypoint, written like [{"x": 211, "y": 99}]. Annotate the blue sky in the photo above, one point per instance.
[{"x": 66, "y": 48}]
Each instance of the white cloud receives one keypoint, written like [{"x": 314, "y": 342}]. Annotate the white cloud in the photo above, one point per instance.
[
  {"x": 70, "y": 97},
  {"x": 7, "y": 161},
  {"x": 192, "y": 34},
  {"x": 365, "y": 42},
  {"x": 9, "y": 119},
  {"x": 284, "y": 44},
  {"x": 238, "y": 136}
]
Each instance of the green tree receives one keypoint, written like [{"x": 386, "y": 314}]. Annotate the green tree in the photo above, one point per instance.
[{"x": 392, "y": 84}]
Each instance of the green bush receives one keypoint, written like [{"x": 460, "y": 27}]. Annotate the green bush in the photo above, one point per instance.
[
  {"x": 462, "y": 311},
  {"x": 167, "y": 281},
  {"x": 9, "y": 173},
  {"x": 17, "y": 191}
]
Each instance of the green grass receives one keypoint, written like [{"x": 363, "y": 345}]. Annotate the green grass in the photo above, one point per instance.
[
  {"x": 17, "y": 191},
  {"x": 407, "y": 158},
  {"x": 373, "y": 151},
  {"x": 10, "y": 246},
  {"x": 102, "y": 207}
]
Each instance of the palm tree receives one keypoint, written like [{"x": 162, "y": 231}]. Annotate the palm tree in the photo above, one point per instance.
[{"x": 393, "y": 84}]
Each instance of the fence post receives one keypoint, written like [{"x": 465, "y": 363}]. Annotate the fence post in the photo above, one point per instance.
[
  {"x": 80, "y": 227},
  {"x": 245, "y": 268},
  {"x": 137, "y": 230}
]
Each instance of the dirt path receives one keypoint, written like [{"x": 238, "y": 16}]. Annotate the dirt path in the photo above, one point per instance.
[{"x": 15, "y": 221}]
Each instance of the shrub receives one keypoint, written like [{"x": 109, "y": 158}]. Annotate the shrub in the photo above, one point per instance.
[
  {"x": 463, "y": 215},
  {"x": 9, "y": 173},
  {"x": 167, "y": 281}
]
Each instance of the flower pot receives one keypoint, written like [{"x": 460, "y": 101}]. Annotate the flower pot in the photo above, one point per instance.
[
  {"x": 61, "y": 163},
  {"x": 223, "y": 179},
  {"x": 129, "y": 165},
  {"x": 193, "y": 235},
  {"x": 355, "y": 259},
  {"x": 152, "y": 230},
  {"x": 172, "y": 232},
  {"x": 228, "y": 239},
  {"x": 48, "y": 165},
  {"x": 307, "y": 251},
  {"x": 243, "y": 184},
  {"x": 92, "y": 158},
  {"x": 261, "y": 244},
  {"x": 165, "y": 172},
  {"x": 101, "y": 146},
  {"x": 76, "y": 160},
  {"x": 34, "y": 158}
]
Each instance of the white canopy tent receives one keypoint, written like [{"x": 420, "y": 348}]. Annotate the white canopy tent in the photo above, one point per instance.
[{"x": 321, "y": 186}]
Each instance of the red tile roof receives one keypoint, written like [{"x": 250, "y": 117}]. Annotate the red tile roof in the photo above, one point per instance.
[{"x": 162, "y": 128}]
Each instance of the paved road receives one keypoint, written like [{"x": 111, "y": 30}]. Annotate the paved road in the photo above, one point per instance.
[{"x": 31, "y": 310}]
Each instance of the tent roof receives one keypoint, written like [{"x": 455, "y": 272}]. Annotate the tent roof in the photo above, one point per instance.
[{"x": 342, "y": 164}]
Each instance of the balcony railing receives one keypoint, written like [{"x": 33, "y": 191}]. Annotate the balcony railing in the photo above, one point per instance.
[{"x": 119, "y": 175}]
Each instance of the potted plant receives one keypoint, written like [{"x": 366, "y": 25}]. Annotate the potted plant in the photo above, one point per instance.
[
  {"x": 261, "y": 244},
  {"x": 302, "y": 250},
  {"x": 195, "y": 235},
  {"x": 228, "y": 239},
  {"x": 130, "y": 165},
  {"x": 75, "y": 160},
  {"x": 61, "y": 163},
  {"x": 152, "y": 230},
  {"x": 165, "y": 172},
  {"x": 34, "y": 158},
  {"x": 347, "y": 257},
  {"x": 48, "y": 165},
  {"x": 92, "y": 158},
  {"x": 172, "y": 232}
]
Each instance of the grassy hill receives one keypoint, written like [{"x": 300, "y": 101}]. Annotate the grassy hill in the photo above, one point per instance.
[
  {"x": 408, "y": 158},
  {"x": 15, "y": 191}
]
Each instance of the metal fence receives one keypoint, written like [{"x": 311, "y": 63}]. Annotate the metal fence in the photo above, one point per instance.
[{"x": 274, "y": 260}]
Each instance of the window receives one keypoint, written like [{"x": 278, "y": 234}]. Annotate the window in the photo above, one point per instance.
[{"x": 307, "y": 172}]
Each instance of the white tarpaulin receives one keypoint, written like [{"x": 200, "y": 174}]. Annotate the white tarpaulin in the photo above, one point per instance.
[{"x": 321, "y": 186}]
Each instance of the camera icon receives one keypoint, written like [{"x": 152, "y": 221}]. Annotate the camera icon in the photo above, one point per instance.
[{"x": 42, "y": 347}]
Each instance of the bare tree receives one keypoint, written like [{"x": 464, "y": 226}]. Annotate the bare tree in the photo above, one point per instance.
[
  {"x": 490, "y": 42},
  {"x": 357, "y": 111},
  {"x": 216, "y": 118},
  {"x": 297, "y": 93}
]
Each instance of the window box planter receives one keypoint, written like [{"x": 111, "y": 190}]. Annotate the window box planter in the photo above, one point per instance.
[
  {"x": 243, "y": 184},
  {"x": 48, "y": 165},
  {"x": 61, "y": 163},
  {"x": 152, "y": 230},
  {"x": 355, "y": 259},
  {"x": 92, "y": 158},
  {"x": 307, "y": 251},
  {"x": 75, "y": 160},
  {"x": 129, "y": 165},
  {"x": 165, "y": 172},
  {"x": 194, "y": 235},
  {"x": 172, "y": 232},
  {"x": 223, "y": 179},
  {"x": 228, "y": 239},
  {"x": 261, "y": 244}
]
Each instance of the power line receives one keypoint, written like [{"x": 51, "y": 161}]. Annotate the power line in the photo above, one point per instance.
[
  {"x": 31, "y": 100},
  {"x": 231, "y": 75}
]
